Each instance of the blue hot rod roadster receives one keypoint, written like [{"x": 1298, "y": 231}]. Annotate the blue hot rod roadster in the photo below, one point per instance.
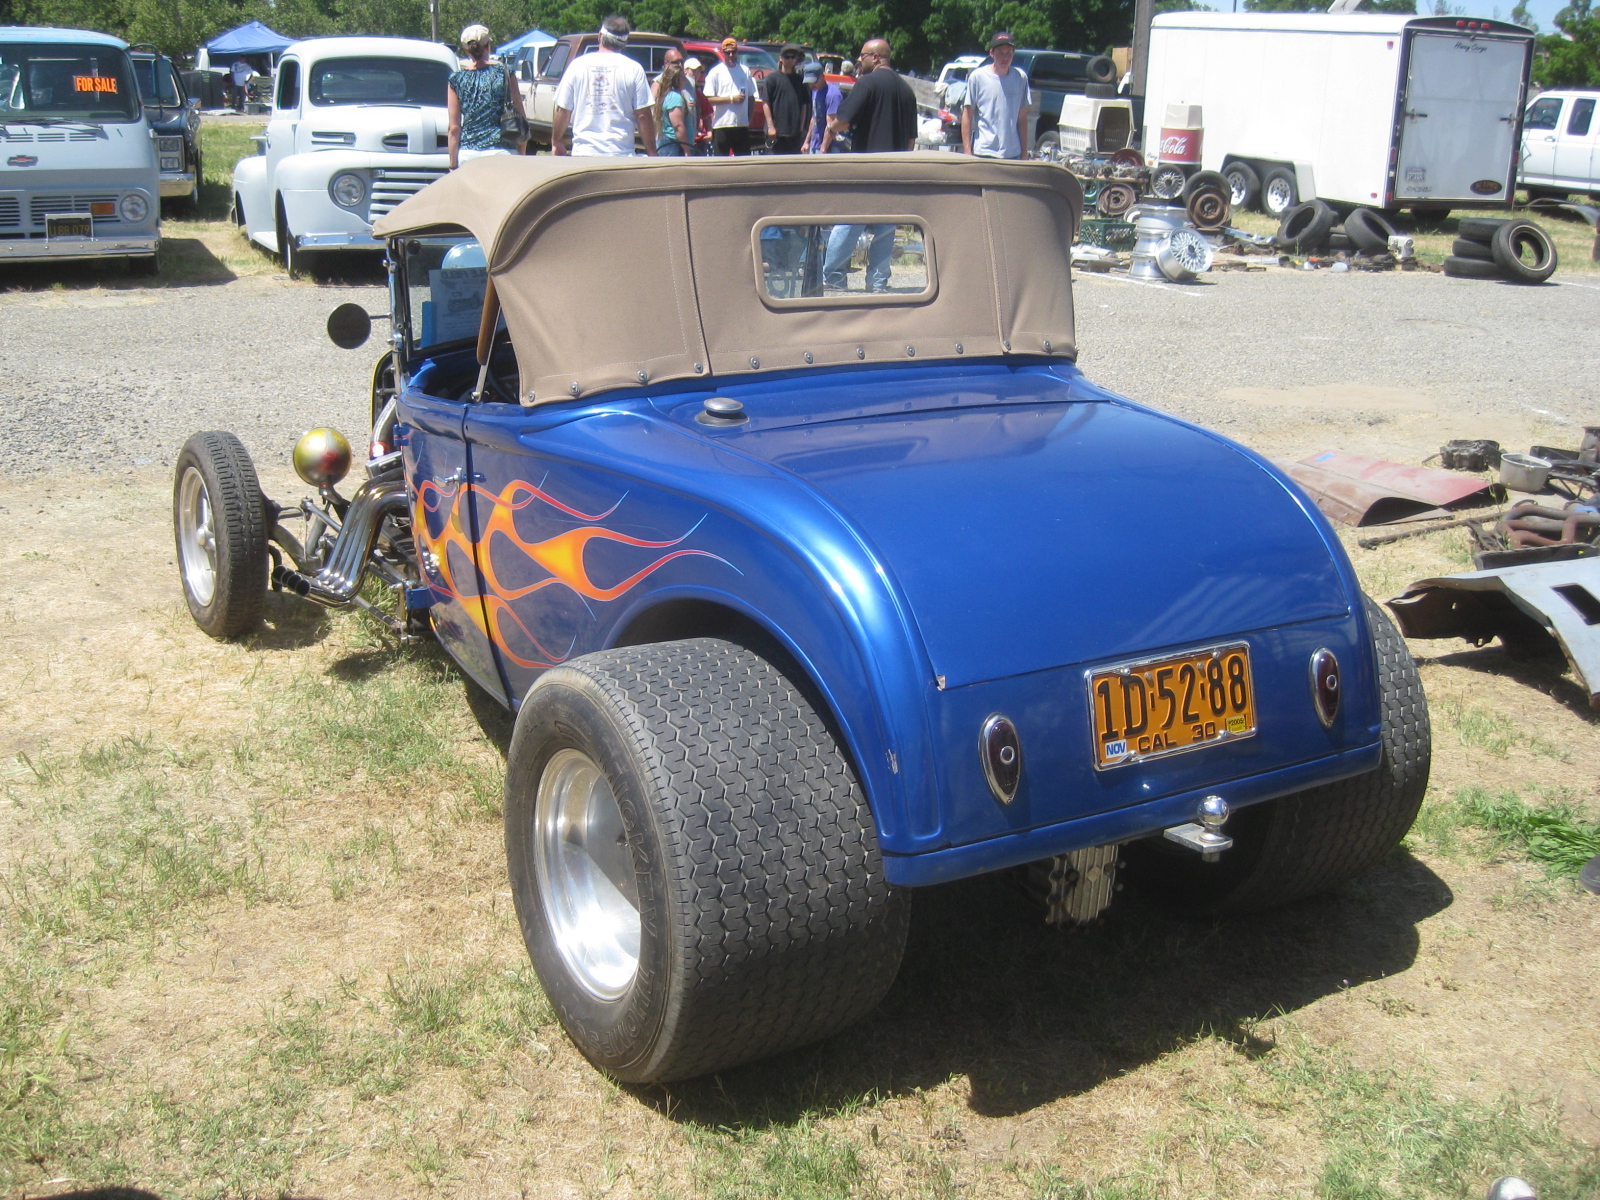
[{"x": 792, "y": 554}]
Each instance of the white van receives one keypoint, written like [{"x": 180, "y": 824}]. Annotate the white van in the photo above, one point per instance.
[
  {"x": 80, "y": 178},
  {"x": 1561, "y": 145}
]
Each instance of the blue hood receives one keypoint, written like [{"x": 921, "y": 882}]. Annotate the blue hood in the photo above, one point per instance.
[{"x": 1041, "y": 531}]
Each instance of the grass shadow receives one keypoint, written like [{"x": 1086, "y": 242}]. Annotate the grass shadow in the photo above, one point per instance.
[
  {"x": 1030, "y": 1014},
  {"x": 185, "y": 262},
  {"x": 290, "y": 623},
  {"x": 1542, "y": 673}
]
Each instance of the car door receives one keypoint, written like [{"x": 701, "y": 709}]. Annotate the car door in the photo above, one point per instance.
[
  {"x": 542, "y": 109},
  {"x": 1575, "y": 145},
  {"x": 1539, "y": 139},
  {"x": 285, "y": 118}
]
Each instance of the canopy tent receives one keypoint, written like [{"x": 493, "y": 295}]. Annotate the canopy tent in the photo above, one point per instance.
[
  {"x": 254, "y": 38},
  {"x": 533, "y": 36}
]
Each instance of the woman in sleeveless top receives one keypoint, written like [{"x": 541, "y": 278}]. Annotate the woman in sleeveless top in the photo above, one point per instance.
[{"x": 478, "y": 93}]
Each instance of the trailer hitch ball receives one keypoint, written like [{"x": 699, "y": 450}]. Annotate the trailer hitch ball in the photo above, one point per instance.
[{"x": 1205, "y": 834}]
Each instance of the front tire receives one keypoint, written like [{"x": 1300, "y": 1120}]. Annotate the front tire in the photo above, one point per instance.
[
  {"x": 296, "y": 261},
  {"x": 693, "y": 863},
  {"x": 1298, "y": 846},
  {"x": 219, "y": 521}
]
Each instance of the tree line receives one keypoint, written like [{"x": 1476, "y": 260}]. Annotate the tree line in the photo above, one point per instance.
[{"x": 922, "y": 33}]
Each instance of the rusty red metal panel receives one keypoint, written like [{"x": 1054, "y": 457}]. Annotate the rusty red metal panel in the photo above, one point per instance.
[{"x": 1369, "y": 491}]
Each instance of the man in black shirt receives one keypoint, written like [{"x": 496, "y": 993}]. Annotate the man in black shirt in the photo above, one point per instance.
[
  {"x": 881, "y": 110},
  {"x": 788, "y": 101}
]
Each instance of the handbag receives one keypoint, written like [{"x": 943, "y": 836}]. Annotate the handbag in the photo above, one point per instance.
[{"x": 513, "y": 125}]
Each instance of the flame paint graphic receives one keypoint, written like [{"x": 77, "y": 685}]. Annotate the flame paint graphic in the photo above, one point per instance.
[{"x": 562, "y": 556}]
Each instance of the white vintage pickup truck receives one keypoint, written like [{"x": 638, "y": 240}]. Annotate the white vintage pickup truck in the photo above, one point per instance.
[{"x": 358, "y": 125}]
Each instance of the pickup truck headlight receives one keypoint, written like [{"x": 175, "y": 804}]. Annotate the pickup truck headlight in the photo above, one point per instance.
[
  {"x": 348, "y": 190},
  {"x": 169, "y": 145},
  {"x": 133, "y": 208}
]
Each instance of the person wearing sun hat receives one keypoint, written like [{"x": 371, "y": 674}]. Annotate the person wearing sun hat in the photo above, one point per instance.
[
  {"x": 475, "y": 98},
  {"x": 729, "y": 87},
  {"x": 994, "y": 119}
]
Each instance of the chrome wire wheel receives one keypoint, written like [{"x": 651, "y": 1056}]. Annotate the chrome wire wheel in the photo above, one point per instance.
[
  {"x": 197, "y": 540},
  {"x": 586, "y": 877}
]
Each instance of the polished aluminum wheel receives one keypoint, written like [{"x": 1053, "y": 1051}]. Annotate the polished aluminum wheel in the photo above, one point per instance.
[
  {"x": 197, "y": 540},
  {"x": 586, "y": 878}
]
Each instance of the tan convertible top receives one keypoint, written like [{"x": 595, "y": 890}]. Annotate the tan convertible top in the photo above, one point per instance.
[{"x": 615, "y": 270}]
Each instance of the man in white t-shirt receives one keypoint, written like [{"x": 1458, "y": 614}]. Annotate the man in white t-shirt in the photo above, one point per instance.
[
  {"x": 994, "y": 119},
  {"x": 604, "y": 98},
  {"x": 729, "y": 88}
]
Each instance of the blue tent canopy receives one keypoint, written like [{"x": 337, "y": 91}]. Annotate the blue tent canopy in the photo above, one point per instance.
[
  {"x": 515, "y": 44},
  {"x": 254, "y": 38}
]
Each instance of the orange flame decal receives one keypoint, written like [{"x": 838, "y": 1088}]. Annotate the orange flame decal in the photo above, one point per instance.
[{"x": 562, "y": 556}]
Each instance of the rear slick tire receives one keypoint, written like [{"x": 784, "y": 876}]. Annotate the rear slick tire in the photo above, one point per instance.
[
  {"x": 219, "y": 522},
  {"x": 691, "y": 797},
  {"x": 1298, "y": 846}
]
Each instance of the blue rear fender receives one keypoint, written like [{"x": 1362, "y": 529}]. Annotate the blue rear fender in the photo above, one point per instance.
[{"x": 793, "y": 522}]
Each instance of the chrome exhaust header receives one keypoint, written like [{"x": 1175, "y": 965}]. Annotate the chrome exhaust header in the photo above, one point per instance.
[{"x": 339, "y": 582}]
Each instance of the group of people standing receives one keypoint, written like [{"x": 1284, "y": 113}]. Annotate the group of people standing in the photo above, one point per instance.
[{"x": 606, "y": 102}]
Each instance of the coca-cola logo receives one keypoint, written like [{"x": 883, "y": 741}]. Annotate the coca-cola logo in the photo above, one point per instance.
[{"x": 1175, "y": 144}]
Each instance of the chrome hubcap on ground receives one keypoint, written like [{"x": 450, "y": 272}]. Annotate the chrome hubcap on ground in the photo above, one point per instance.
[
  {"x": 197, "y": 541},
  {"x": 586, "y": 879}
]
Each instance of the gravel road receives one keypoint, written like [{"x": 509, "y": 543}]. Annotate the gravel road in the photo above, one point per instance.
[{"x": 112, "y": 380}]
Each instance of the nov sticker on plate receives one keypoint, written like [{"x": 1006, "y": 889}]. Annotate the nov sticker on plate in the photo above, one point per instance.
[{"x": 1160, "y": 706}]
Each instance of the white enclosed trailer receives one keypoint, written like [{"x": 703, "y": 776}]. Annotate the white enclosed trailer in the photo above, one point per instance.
[{"x": 1354, "y": 108}]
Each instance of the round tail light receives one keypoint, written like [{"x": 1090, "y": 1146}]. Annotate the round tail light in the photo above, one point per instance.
[
  {"x": 1000, "y": 750},
  {"x": 1325, "y": 685}
]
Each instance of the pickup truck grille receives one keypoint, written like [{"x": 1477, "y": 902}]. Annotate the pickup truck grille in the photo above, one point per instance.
[
  {"x": 391, "y": 186},
  {"x": 10, "y": 212},
  {"x": 323, "y": 137},
  {"x": 40, "y": 206},
  {"x": 9, "y": 136}
]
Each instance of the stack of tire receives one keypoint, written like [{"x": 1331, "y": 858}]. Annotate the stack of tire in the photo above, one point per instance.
[
  {"x": 1204, "y": 195},
  {"x": 1314, "y": 228},
  {"x": 1507, "y": 248}
]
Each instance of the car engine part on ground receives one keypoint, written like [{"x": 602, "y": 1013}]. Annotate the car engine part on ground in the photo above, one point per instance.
[
  {"x": 1470, "y": 454},
  {"x": 1279, "y": 192},
  {"x": 1369, "y": 231},
  {"x": 1403, "y": 247},
  {"x": 1530, "y": 523},
  {"x": 1260, "y": 241},
  {"x": 1524, "y": 473},
  {"x": 1209, "y": 208},
  {"x": 1182, "y": 255},
  {"x": 1524, "y": 606},
  {"x": 1372, "y": 543},
  {"x": 1244, "y": 185},
  {"x": 1116, "y": 198},
  {"x": 1361, "y": 491},
  {"x": 1305, "y": 227},
  {"x": 1167, "y": 180},
  {"x": 1524, "y": 251}
]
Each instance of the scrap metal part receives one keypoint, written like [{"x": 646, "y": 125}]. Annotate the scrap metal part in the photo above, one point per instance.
[
  {"x": 1369, "y": 491},
  {"x": 1521, "y": 605}
]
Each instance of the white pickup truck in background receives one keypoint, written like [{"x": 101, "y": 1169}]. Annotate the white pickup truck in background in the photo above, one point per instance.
[
  {"x": 1561, "y": 145},
  {"x": 358, "y": 125}
]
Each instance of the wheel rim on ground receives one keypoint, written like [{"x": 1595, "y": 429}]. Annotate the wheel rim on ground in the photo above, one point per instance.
[
  {"x": 197, "y": 541},
  {"x": 586, "y": 879},
  {"x": 1279, "y": 197}
]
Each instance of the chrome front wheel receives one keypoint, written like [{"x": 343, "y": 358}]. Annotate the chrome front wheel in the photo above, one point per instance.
[
  {"x": 197, "y": 541},
  {"x": 586, "y": 875}
]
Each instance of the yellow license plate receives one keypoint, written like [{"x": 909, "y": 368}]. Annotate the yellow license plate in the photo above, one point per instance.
[{"x": 1160, "y": 706}]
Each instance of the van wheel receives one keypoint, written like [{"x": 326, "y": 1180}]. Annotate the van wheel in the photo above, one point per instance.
[
  {"x": 694, "y": 865},
  {"x": 146, "y": 266},
  {"x": 1244, "y": 185},
  {"x": 1312, "y": 841},
  {"x": 1279, "y": 192}
]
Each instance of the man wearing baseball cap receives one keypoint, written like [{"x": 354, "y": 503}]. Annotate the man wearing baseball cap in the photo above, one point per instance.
[
  {"x": 994, "y": 120},
  {"x": 787, "y": 99},
  {"x": 825, "y": 100},
  {"x": 729, "y": 87}
]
